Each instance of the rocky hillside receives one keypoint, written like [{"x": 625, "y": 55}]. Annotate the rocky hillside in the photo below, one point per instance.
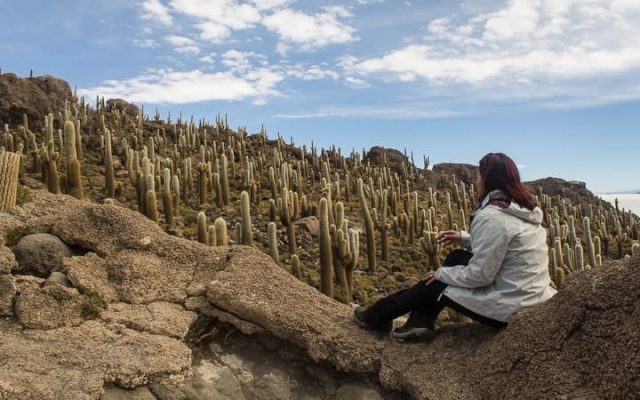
[
  {"x": 120, "y": 317},
  {"x": 171, "y": 258}
]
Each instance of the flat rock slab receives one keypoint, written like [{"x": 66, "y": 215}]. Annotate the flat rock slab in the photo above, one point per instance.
[
  {"x": 74, "y": 363},
  {"x": 253, "y": 288},
  {"x": 161, "y": 318}
]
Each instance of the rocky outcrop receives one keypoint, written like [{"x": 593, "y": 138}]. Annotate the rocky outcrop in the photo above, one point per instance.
[
  {"x": 123, "y": 106},
  {"x": 463, "y": 172},
  {"x": 35, "y": 97},
  {"x": 161, "y": 289},
  {"x": 394, "y": 158}
]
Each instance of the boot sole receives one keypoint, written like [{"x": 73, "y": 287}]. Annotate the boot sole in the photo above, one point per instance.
[{"x": 414, "y": 334}]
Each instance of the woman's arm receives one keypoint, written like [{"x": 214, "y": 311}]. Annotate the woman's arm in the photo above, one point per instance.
[{"x": 490, "y": 243}]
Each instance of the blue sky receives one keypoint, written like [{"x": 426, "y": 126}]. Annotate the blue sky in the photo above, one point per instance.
[{"x": 553, "y": 83}]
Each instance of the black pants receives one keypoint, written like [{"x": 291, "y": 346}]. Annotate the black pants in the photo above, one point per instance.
[{"x": 423, "y": 301}]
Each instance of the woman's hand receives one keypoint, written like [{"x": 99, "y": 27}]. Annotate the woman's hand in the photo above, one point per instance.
[
  {"x": 429, "y": 277},
  {"x": 448, "y": 237}
]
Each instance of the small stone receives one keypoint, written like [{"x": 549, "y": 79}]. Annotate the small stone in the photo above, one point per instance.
[{"x": 58, "y": 278}]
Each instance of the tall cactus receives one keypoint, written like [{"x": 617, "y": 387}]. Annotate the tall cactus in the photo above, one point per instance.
[
  {"x": 287, "y": 217},
  {"x": 224, "y": 181},
  {"x": 222, "y": 239},
  {"x": 245, "y": 213},
  {"x": 167, "y": 200},
  {"x": 588, "y": 241},
  {"x": 109, "y": 180},
  {"x": 202, "y": 228},
  {"x": 74, "y": 178},
  {"x": 272, "y": 232},
  {"x": 326, "y": 256},
  {"x": 368, "y": 223}
]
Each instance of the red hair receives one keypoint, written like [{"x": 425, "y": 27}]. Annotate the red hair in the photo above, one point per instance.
[{"x": 498, "y": 171}]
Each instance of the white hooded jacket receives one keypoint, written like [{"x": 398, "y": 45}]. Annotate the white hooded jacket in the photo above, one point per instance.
[{"x": 509, "y": 267}]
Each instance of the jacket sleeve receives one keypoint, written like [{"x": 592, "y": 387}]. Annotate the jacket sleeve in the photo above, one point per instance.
[
  {"x": 465, "y": 240},
  {"x": 490, "y": 242}
]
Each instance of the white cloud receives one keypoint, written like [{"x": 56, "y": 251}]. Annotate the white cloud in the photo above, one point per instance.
[
  {"x": 526, "y": 48},
  {"x": 310, "y": 31},
  {"x": 216, "y": 19},
  {"x": 154, "y": 10},
  {"x": 173, "y": 87},
  {"x": 209, "y": 58},
  {"x": 270, "y": 4},
  {"x": 183, "y": 44},
  {"x": 145, "y": 43},
  {"x": 356, "y": 83},
  {"x": 310, "y": 73}
]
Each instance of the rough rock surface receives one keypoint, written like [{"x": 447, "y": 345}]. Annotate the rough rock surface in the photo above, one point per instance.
[
  {"x": 7, "y": 292},
  {"x": 583, "y": 343},
  {"x": 7, "y": 260},
  {"x": 35, "y": 97},
  {"x": 167, "y": 319},
  {"x": 50, "y": 307},
  {"x": 40, "y": 254},
  {"x": 74, "y": 363}
]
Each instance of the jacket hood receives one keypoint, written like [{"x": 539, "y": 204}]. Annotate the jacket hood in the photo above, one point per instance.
[{"x": 534, "y": 216}]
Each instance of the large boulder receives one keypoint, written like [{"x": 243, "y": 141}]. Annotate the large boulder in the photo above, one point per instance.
[{"x": 40, "y": 254}]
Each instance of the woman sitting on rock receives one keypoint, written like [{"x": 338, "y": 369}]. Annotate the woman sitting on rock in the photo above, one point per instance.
[{"x": 506, "y": 270}]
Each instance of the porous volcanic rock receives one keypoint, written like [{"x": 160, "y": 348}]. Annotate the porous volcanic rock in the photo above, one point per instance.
[{"x": 50, "y": 307}]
